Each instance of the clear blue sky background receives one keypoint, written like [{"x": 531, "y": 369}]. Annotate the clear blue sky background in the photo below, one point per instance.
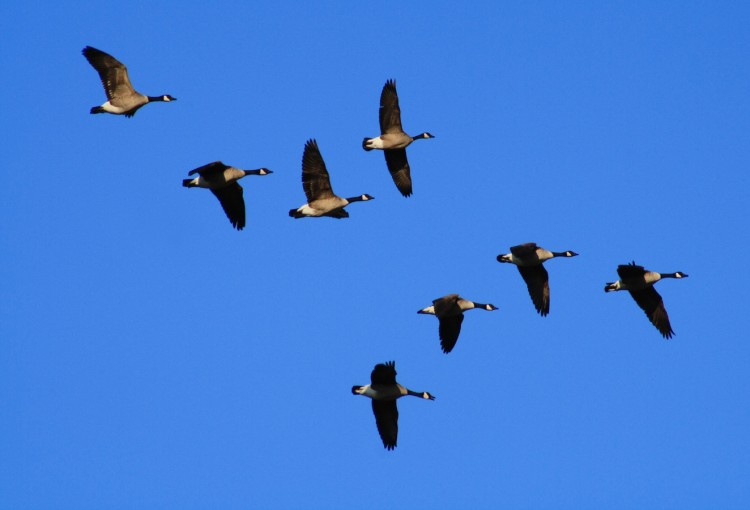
[{"x": 153, "y": 357}]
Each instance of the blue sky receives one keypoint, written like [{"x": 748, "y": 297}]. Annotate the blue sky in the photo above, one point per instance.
[{"x": 153, "y": 357}]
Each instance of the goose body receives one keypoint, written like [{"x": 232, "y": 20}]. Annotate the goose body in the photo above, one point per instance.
[
  {"x": 392, "y": 140},
  {"x": 384, "y": 391},
  {"x": 640, "y": 283},
  {"x": 450, "y": 310},
  {"x": 529, "y": 259},
  {"x": 222, "y": 180},
  {"x": 321, "y": 201},
  {"x": 122, "y": 98}
]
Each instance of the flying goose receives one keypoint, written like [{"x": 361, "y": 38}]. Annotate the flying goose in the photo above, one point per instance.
[
  {"x": 315, "y": 181},
  {"x": 392, "y": 140},
  {"x": 450, "y": 312},
  {"x": 222, "y": 181},
  {"x": 640, "y": 284},
  {"x": 529, "y": 258},
  {"x": 384, "y": 390},
  {"x": 122, "y": 97}
]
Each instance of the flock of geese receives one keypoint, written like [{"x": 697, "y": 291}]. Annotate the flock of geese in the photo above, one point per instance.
[{"x": 383, "y": 390}]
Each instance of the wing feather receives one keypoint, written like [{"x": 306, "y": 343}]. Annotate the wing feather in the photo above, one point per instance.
[
  {"x": 315, "y": 179},
  {"x": 390, "y": 113}
]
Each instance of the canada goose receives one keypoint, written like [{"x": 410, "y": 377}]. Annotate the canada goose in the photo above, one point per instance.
[
  {"x": 529, "y": 258},
  {"x": 450, "y": 312},
  {"x": 384, "y": 391},
  {"x": 222, "y": 181},
  {"x": 392, "y": 140},
  {"x": 122, "y": 97},
  {"x": 640, "y": 284},
  {"x": 315, "y": 181}
]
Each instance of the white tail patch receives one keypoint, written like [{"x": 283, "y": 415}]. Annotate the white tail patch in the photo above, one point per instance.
[{"x": 375, "y": 143}]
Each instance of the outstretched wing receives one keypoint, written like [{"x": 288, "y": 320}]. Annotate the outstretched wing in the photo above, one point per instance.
[
  {"x": 231, "y": 200},
  {"x": 112, "y": 73},
  {"x": 386, "y": 418},
  {"x": 523, "y": 251},
  {"x": 384, "y": 373},
  {"x": 209, "y": 170},
  {"x": 630, "y": 273},
  {"x": 652, "y": 303},
  {"x": 450, "y": 328},
  {"x": 315, "y": 179},
  {"x": 537, "y": 282},
  {"x": 390, "y": 113},
  {"x": 398, "y": 166}
]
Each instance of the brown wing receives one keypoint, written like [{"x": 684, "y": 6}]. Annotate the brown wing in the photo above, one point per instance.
[
  {"x": 630, "y": 273},
  {"x": 523, "y": 251},
  {"x": 112, "y": 73},
  {"x": 537, "y": 281},
  {"x": 651, "y": 302},
  {"x": 386, "y": 418},
  {"x": 384, "y": 373},
  {"x": 390, "y": 113},
  {"x": 339, "y": 214},
  {"x": 209, "y": 170},
  {"x": 446, "y": 305},
  {"x": 398, "y": 166},
  {"x": 450, "y": 328},
  {"x": 315, "y": 180},
  {"x": 231, "y": 200}
]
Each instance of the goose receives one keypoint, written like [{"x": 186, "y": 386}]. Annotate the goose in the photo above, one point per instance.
[
  {"x": 222, "y": 180},
  {"x": 317, "y": 185},
  {"x": 529, "y": 258},
  {"x": 384, "y": 391},
  {"x": 450, "y": 312},
  {"x": 392, "y": 140},
  {"x": 122, "y": 99},
  {"x": 640, "y": 283}
]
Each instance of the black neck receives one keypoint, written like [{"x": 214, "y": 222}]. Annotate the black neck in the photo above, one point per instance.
[
  {"x": 151, "y": 99},
  {"x": 669, "y": 275}
]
